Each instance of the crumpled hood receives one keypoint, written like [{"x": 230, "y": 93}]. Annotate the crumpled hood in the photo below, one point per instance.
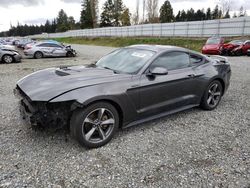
[{"x": 47, "y": 84}]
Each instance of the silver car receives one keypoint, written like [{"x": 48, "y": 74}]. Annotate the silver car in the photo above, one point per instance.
[
  {"x": 9, "y": 56},
  {"x": 49, "y": 49}
]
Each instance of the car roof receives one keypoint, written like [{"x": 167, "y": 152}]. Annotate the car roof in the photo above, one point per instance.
[{"x": 158, "y": 48}]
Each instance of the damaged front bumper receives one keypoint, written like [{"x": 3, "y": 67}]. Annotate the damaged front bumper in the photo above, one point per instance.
[{"x": 43, "y": 114}]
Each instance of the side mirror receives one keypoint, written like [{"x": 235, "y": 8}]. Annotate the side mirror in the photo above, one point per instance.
[{"x": 157, "y": 71}]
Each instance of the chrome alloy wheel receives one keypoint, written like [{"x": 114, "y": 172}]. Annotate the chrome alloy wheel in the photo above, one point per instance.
[
  {"x": 98, "y": 125},
  {"x": 214, "y": 95}
]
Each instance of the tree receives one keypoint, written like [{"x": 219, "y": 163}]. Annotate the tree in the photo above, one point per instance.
[
  {"x": 183, "y": 16},
  {"x": 225, "y": 6},
  {"x": 152, "y": 9},
  {"x": 112, "y": 12},
  {"x": 242, "y": 12},
  {"x": 166, "y": 12},
  {"x": 227, "y": 15},
  {"x": 216, "y": 13},
  {"x": 136, "y": 15},
  {"x": 143, "y": 10},
  {"x": 94, "y": 11},
  {"x": 86, "y": 18},
  {"x": 107, "y": 14},
  {"x": 62, "y": 21},
  {"x": 208, "y": 14},
  {"x": 190, "y": 15},
  {"x": 178, "y": 16},
  {"x": 125, "y": 17},
  {"x": 71, "y": 22}
]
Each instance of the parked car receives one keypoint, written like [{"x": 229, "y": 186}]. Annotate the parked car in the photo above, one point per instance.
[
  {"x": 242, "y": 49},
  {"x": 9, "y": 56},
  {"x": 49, "y": 49},
  {"x": 7, "y": 46},
  {"x": 129, "y": 86},
  {"x": 228, "y": 47},
  {"x": 213, "y": 46},
  {"x": 23, "y": 42}
]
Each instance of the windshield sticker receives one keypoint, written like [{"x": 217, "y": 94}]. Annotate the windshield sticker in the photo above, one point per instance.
[{"x": 141, "y": 55}]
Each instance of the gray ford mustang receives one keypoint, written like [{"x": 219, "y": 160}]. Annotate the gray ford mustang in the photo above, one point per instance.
[{"x": 129, "y": 86}]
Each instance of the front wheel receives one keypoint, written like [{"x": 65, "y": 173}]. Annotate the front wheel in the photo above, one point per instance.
[
  {"x": 8, "y": 59},
  {"x": 69, "y": 54},
  {"x": 212, "y": 96},
  {"x": 95, "y": 125}
]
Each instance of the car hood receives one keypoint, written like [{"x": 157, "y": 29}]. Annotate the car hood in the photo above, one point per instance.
[
  {"x": 47, "y": 84},
  {"x": 211, "y": 46}
]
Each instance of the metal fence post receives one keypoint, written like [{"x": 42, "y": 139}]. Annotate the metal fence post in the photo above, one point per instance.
[
  {"x": 202, "y": 29},
  {"x": 174, "y": 29},
  {"x": 218, "y": 29},
  {"x": 161, "y": 30},
  {"x": 243, "y": 27},
  {"x": 187, "y": 29}
]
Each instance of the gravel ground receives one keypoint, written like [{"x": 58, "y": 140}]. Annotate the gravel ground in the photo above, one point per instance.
[{"x": 194, "y": 148}]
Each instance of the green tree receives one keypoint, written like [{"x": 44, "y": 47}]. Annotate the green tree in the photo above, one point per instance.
[
  {"x": 208, "y": 14},
  {"x": 107, "y": 14},
  {"x": 62, "y": 21},
  {"x": 178, "y": 16},
  {"x": 166, "y": 12},
  {"x": 71, "y": 22},
  {"x": 86, "y": 19},
  {"x": 112, "y": 12},
  {"x": 216, "y": 12},
  {"x": 89, "y": 11},
  {"x": 125, "y": 17}
]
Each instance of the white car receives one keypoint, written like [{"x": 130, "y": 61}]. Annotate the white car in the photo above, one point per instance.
[{"x": 49, "y": 49}]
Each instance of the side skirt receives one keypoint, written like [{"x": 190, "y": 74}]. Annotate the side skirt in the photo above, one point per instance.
[{"x": 159, "y": 116}]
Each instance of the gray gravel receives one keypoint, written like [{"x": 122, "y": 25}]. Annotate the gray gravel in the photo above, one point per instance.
[{"x": 194, "y": 148}]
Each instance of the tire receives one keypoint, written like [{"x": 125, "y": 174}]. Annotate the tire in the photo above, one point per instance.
[
  {"x": 239, "y": 53},
  {"x": 212, "y": 96},
  {"x": 69, "y": 54},
  {"x": 7, "y": 59},
  {"x": 38, "y": 55},
  {"x": 95, "y": 125}
]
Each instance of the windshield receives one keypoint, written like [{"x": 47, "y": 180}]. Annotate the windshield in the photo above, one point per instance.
[
  {"x": 213, "y": 41},
  {"x": 236, "y": 42},
  {"x": 126, "y": 60}
]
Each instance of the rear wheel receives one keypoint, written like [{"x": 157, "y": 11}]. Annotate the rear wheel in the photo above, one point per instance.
[
  {"x": 38, "y": 55},
  {"x": 212, "y": 96},
  {"x": 8, "y": 59},
  {"x": 95, "y": 125}
]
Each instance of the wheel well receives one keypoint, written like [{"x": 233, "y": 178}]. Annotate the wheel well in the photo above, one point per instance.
[
  {"x": 222, "y": 83},
  {"x": 117, "y": 107}
]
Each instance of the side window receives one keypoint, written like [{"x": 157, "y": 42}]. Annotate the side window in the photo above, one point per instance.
[
  {"x": 55, "y": 46},
  {"x": 43, "y": 45},
  {"x": 194, "y": 59},
  {"x": 172, "y": 61}
]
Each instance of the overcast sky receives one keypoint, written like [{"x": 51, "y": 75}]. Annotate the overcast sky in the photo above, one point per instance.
[{"x": 37, "y": 11}]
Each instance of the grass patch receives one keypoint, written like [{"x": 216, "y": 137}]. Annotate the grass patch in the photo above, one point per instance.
[{"x": 190, "y": 43}]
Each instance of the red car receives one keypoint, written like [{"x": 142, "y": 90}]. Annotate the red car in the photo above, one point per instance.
[
  {"x": 242, "y": 49},
  {"x": 213, "y": 46},
  {"x": 228, "y": 47}
]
